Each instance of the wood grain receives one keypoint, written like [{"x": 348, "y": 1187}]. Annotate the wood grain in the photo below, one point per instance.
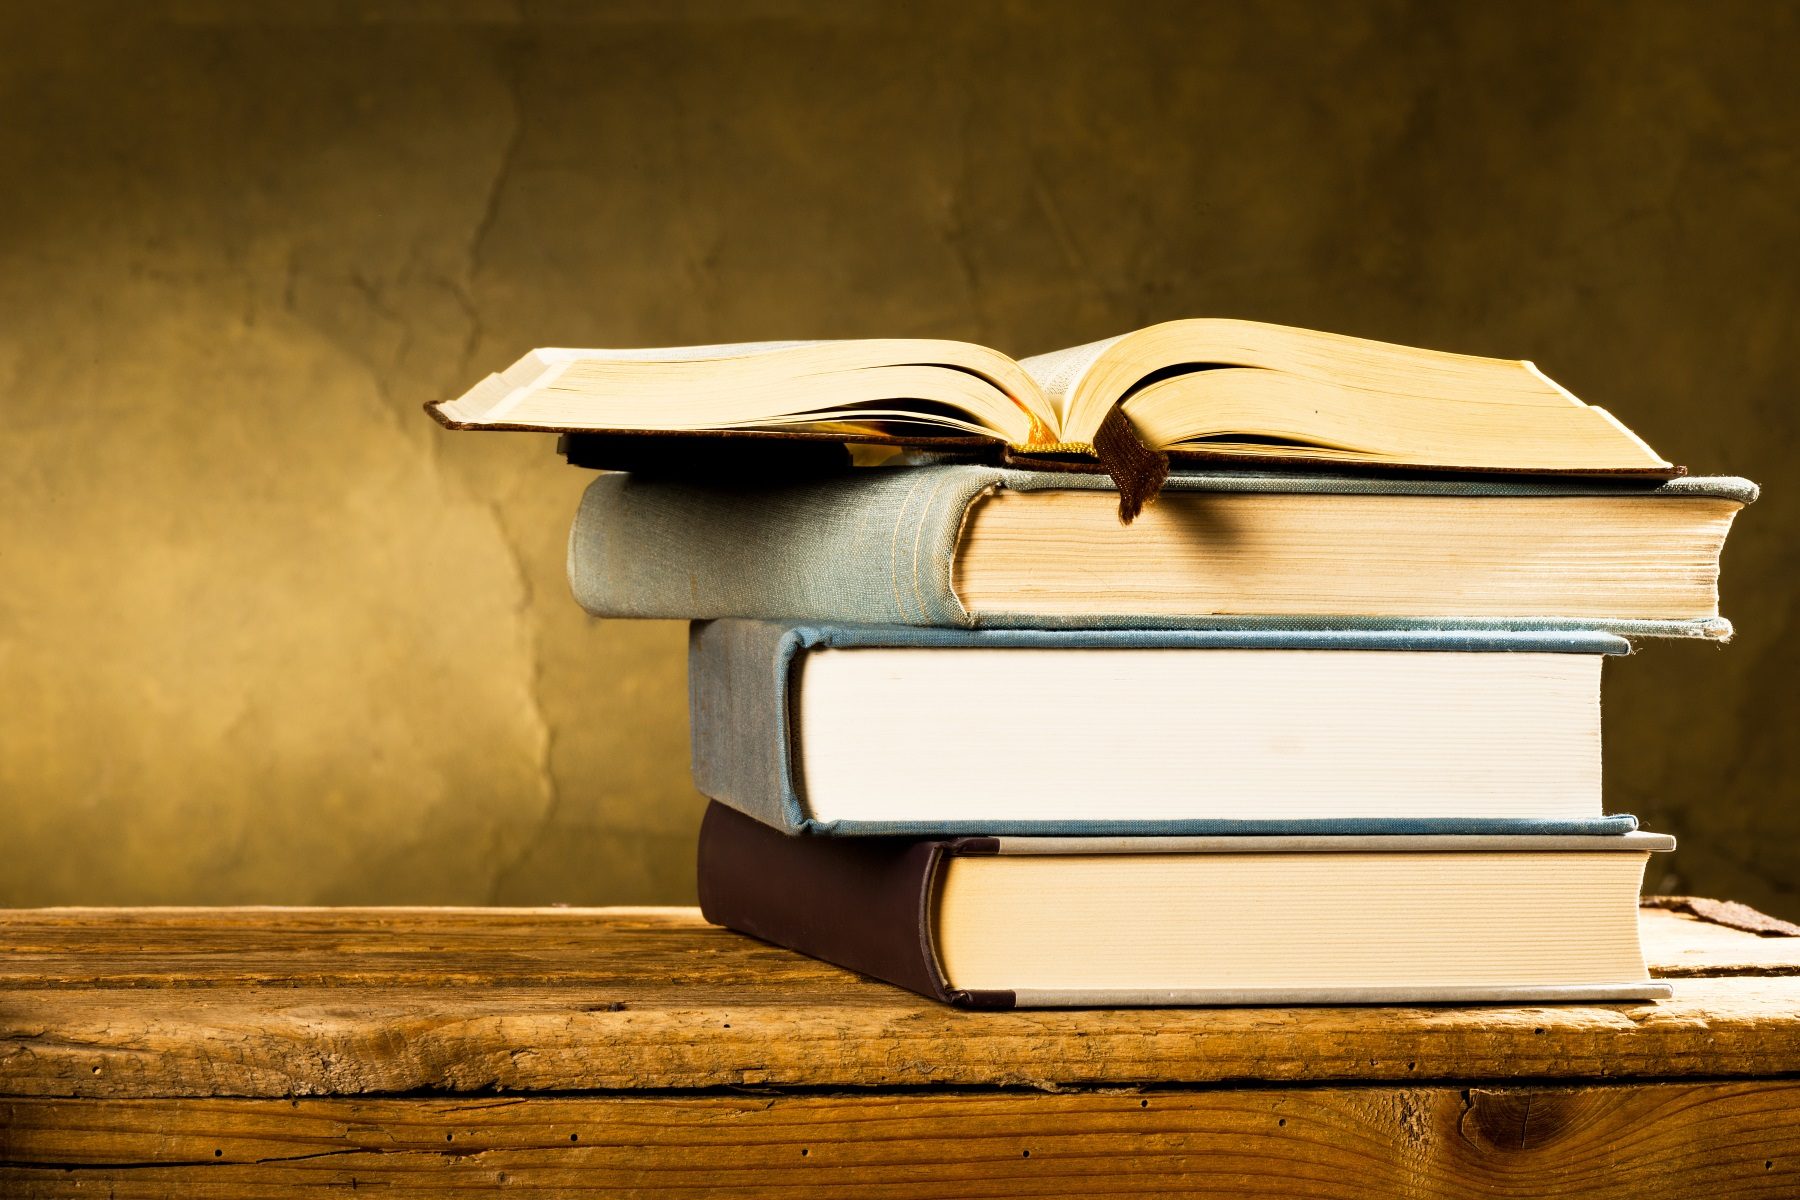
[
  {"x": 273, "y": 1003},
  {"x": 1676, "y": 945},
  {"x": 521, "y": 947},
  {"x": 513, "y": 947},
  {"x": 1669, "y": 1140},
  {"x": 318, "y": 1041}
]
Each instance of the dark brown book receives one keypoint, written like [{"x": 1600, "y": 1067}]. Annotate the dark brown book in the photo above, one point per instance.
[{"x": 984, "y": 922}]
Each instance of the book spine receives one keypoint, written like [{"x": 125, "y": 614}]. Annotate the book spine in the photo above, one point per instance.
[
  {"x": 862, "y": 904},
  {"x": 741, "y": 739},
  {"x": 869, "y": 546}
]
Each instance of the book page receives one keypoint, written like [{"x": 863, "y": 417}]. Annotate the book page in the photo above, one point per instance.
[
  {"x": 1060, "y": 372},
  {"x": 675, "y": 353}
]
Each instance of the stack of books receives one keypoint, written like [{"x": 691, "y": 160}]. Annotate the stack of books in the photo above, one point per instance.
[{"x": 1219, "y": 663}]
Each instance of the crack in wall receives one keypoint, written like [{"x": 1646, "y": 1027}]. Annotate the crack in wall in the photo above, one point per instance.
[
  {"x": 463, "y": 292},
  {"x": 503, "y": 171},
  {"x": 547, "y": 782}
]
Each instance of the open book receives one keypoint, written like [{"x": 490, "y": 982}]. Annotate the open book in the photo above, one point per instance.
[{"x": 1204, "y": 388}]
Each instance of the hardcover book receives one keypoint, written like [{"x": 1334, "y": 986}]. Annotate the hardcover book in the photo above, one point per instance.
[
  {"x": 962, "y": 545},
  {"x": 856, "y": 730},
  {"x": 1210, "y": 389},
  {"x": 1077, "y": 922}
]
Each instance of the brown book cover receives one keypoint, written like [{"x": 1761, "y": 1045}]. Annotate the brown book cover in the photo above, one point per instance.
[{"x": 862, "y": 903}]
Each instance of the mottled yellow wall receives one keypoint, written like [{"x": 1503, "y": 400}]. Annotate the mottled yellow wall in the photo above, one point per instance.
[{"x": 267, "y": 634}]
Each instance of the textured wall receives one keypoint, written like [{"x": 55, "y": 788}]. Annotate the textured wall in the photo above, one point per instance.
[{"x": 267, "y": 634}]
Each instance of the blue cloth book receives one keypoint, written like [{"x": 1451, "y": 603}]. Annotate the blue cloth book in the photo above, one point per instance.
[
  {"x": 971, "y": 546},
  {"x": 858, "y": 729}
]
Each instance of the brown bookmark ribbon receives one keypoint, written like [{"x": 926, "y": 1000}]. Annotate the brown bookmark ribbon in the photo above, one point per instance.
[{"x": 1138, "y": 469}]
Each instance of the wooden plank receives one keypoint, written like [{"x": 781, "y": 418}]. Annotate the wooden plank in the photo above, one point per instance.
[
  {"x": 222, "y": 1041},
  {"x": 1676, "y": 944},
  {"x": 392, "y": 947},
  {"x": 327, "y": 947},
  {"x": 278, "y": 1002},
  {"x": 1631, "y": 1143}
]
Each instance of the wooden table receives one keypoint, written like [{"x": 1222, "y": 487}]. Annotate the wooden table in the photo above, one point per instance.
[{"x": 263, "y": 1052}]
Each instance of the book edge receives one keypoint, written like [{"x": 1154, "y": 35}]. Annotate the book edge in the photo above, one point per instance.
[
  {"x": 1612, "y": 825},
  {"x": 1242, "y": 997},
  {"x": 1637, "y": 842}
]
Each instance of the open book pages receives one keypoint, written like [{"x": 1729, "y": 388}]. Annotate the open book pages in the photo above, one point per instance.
[{"x": 1212, "y": 388}]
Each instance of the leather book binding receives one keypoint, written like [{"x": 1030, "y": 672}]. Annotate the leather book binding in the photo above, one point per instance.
[{"x": 861, "y": 903}]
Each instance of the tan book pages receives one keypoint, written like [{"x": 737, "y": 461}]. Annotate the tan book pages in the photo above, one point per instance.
[{"x": 1064, "y": 553}]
